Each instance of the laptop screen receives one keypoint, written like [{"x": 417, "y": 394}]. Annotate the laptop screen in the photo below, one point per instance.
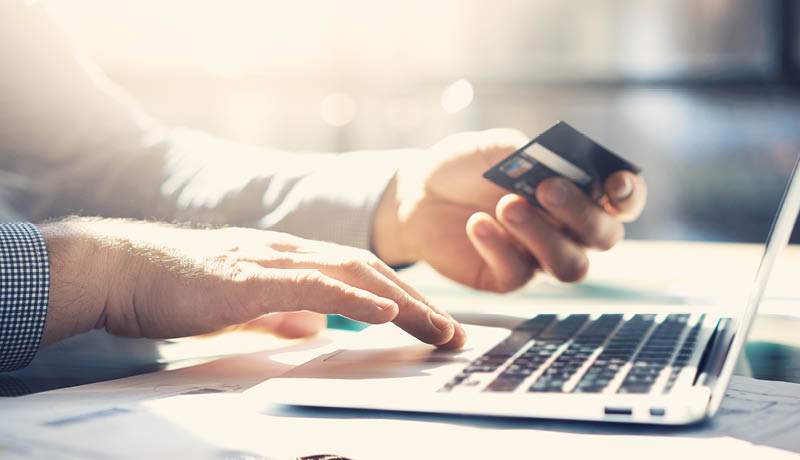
[{"x": 777, "y": 239}]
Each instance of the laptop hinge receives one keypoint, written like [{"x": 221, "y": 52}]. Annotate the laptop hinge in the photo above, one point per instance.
[{"x": 710, "y": 366}]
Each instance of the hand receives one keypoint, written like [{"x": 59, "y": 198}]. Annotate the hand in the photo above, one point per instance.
[
  {"x": 155, "y": 280},
  {"x": 440, "y": 209}
]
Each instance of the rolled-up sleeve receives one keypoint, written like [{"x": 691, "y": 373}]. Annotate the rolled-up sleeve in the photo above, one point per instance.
[{"x": 24, "y": 291}]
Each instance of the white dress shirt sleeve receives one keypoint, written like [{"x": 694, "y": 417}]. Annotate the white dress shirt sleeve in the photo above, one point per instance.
[{"x": 76, "y": 144}]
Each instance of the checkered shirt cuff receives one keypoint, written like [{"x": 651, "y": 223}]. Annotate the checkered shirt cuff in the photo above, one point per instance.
[{"x": 24, "y": 292}]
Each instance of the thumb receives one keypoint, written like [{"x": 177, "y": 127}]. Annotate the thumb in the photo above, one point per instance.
[{"x": 291, "y": 325}]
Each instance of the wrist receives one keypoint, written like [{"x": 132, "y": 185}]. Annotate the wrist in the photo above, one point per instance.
[
  {"x": 388, "y": 236},
  {"x": 79, "y": 278},
  {"x": 385, "y": 241}
]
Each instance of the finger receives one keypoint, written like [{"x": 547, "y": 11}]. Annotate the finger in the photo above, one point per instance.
[
  {"x": 309, "y": 289},
  {"x": 583, "y": 218},
  {"x": 291, "y": 325},
  {"x": 627, "y": 194},
  {"x": 459, "y": 337},
  {"x": 414, "y": 315},
  {"x": 506, "y": 266},
  {"x": 557, "y": 253}
]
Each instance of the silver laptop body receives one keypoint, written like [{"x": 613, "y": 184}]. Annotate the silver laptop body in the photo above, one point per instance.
[{"x": 660, "y": 365}]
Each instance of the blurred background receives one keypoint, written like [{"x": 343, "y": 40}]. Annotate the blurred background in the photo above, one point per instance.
[{"x": 703, "y": 94}]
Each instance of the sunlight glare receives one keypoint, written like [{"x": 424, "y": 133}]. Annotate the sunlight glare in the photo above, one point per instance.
[
  {"x": 338, "y": 109},
  {"x": 457, "y": 97}
]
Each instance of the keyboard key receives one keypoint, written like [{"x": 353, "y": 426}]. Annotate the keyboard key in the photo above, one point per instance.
[
  {"x": 499, "y": 355},
  {"x": 654, "y": 355},
  {"x": 504, "y": 384},
  {"x": 542, "y": 336},
  {"x": 511, "y": 345},
  {"x": 616, "y": 354},
  {"x": 582, "y": 347},
  {"x": 564, "y": 329},
  {"x": 537, "y": 324}
]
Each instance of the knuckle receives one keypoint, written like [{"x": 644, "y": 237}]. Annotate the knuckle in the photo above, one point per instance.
[
  {"x": 369, "y": 259},
  {"x": 350, "y": 293},
  {"x": 355, "y": 266},
  {"x": 307, "y": 278},
  {"x": 235, "y": 268},
  {"x": 373, "y": 261},
  {"x": 361, "y": 262},
  {"x": 305, "y": 281},
  {"x": 312, "y": 287}
]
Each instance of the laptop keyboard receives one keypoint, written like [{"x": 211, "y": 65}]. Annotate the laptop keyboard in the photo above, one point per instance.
[{"x": 584, "y": 355}]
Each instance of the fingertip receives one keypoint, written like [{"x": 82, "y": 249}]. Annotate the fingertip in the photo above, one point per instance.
[
  {"x": 443, "y": 342},
  {"x": 573, "y": 270},
  {"x": 506, "y": 266},
  {"x": 619, "y": 186},
  {"x": 458, "y": 340},
  {"x": 554, "y": 192},
  {"x": 479, "y": 225},
  {"x": 627, "y": 194},
  {"x": 444, "y": 325},
  {"x": 513, "y": 209},
  {"x": 507, "y": 200}
]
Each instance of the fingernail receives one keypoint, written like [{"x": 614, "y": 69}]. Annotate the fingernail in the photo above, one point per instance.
[
  {"x": 440, "y": 321},
  {"x": 517, "y": 214},
  {"x": 555, "y": 192},
  {"x": 623, "y": 189},
  {"x": 483, "y": 229}
]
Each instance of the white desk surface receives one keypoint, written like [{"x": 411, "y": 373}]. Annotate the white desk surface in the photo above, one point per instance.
[{"x": 201, "y": 412}]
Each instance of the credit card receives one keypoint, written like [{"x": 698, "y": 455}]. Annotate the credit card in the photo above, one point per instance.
[{"x": 559, "y": 151}]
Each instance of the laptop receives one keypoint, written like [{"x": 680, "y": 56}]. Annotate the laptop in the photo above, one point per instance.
[{"x": 669, "y": 365}]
